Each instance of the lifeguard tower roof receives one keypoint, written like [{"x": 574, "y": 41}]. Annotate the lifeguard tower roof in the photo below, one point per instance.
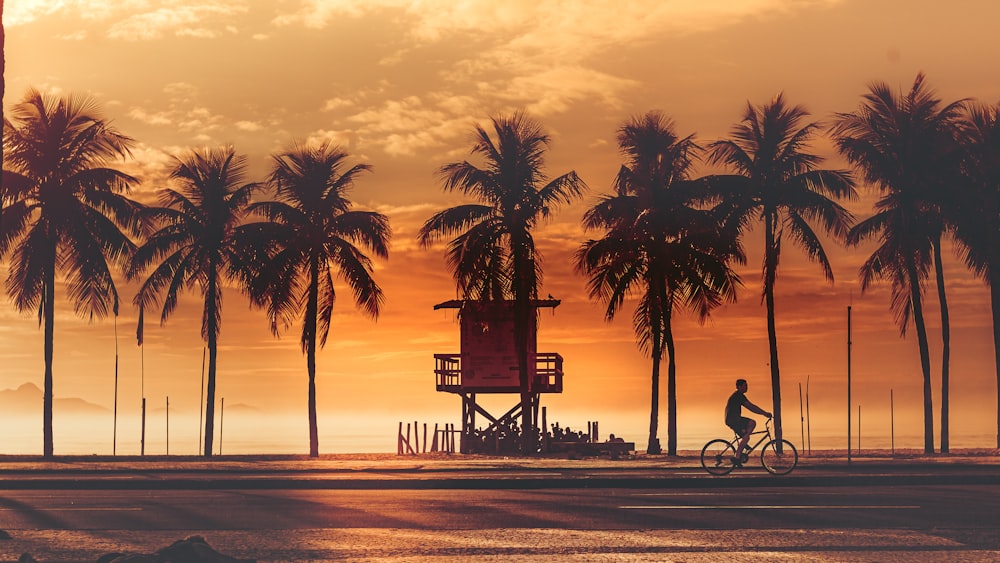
[{"x": 457, "y": 303}]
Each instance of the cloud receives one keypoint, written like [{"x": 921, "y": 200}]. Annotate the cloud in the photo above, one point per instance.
[
  {"x": 248, "y": 126},
  {"x": 402, "y": 127},
  {"x": 178, "y": 20},
  {"x": 335, "y": 138},
  {"x": 534, "y": 54}
]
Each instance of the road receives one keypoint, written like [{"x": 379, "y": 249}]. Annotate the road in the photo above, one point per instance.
[{"x": 950, "y": 522}]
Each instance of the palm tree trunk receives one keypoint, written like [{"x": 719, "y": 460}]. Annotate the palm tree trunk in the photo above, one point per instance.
[
  {"x": 770, "y": 274},
  {"x": 995, "y": 299},
  {"x": 47, "y": 304},
  {"x": 653, "y": 446},
  {"x": 312, "y": 310},
  {"x": 213, "y": 350},
  {"x": 925, "y": 358},
  {"x": 213, "y": 354},
  {"x": 522, "y": 320},
  {"x": 668, "y": 337},
  {"x": 521, "y": 347},
  {"x": 945, "y": 345}
]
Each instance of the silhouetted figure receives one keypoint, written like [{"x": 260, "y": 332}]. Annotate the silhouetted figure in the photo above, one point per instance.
[{"x": 740, "y": 424}]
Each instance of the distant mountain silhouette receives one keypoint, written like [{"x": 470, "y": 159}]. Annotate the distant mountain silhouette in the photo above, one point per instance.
[
  {"x": 27, "y": 399},
  {"x": 243, "y": 408}
]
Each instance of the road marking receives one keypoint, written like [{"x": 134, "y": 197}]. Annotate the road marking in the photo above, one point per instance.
[
  {"x": 78, "y": 509},
  {"x": 770, "y": 507}
]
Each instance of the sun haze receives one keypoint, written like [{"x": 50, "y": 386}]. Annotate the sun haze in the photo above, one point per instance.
[{"x": 401, "y": 86}]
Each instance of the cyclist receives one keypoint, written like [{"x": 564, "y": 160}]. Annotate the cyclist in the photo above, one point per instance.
[{"x": 740, "y": 424}]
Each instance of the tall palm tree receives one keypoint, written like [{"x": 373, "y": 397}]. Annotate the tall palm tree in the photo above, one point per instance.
[
  {"x": 778, "y": 182},
  {"x": 311, "y": 234},
  {"x": 493, "y": 255},
  {"x": 905, "y": 145},
  {"x": 660, "y": 243},
  {"x": 194, "y": 244},
  {"x": 977, "y": 213},
  {"x": 65, "y": 212}
]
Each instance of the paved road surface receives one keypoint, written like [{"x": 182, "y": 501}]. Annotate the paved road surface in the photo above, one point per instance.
[
  {"x": 467, "y": 508},
  {"x": 708, "y": 523}
]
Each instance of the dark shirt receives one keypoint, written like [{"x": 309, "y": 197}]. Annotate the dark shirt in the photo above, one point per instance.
[{"x": 734, "y": 407}]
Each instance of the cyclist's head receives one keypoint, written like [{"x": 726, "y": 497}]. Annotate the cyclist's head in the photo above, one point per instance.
[{"x": 741, "y": 383}]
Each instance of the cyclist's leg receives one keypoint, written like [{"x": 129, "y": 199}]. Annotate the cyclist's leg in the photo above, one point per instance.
[{"x": 748, "y": 426}]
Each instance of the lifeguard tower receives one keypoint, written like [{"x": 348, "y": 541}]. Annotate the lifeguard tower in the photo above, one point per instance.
[{"x": 487, "y": 363}]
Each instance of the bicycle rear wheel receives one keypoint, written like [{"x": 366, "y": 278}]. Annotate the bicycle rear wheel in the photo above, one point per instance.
[
  {"x": 717, "y": 457},
  {"x": 779, "y": 462}
]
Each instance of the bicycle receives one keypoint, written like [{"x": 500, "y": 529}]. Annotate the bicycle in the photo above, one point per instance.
[{"x": 718, "y": 457}]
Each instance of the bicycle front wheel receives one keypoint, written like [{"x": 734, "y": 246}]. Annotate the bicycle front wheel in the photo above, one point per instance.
[
  {"x": 779, "y": 461},
  {"x": 717, "y": 457}
]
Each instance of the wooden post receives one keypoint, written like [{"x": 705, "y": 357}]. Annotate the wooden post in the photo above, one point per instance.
[
  {"x": 596, "y": 434},
  {"x": 416, "y": 438},
  {"x": 892, "y": 425},
  {"x": 399, "y": 439},
  {"x": 168, "y": 424},
  {"x": 425, "y": 437},
  {"x": 434, "y": 446},
  {"x": 545, "y": 431},
  {"x": 452, "y": 450},
  {"x": 142, "y": 440}
]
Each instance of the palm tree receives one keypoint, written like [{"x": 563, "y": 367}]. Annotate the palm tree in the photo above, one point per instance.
[
  {"x": 194, "y": 244},
  {"x": 65, "y": 212},
  {"x": 660, "y": 243},
  {"x": 311, "y": 233},
  {"x": 977, "y": 214},
  {"x": 493, "y": 255},
  {"x": 777, "y": 181},
  {"x": 906, "y": 148}
]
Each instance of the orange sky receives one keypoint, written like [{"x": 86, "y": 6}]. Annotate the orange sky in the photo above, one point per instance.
[{"x": 400, "y": 85}]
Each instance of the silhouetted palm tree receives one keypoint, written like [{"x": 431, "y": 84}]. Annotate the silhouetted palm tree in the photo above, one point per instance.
[
  {"x": 905, "y": 146},
  {"x": 494, "y": 254},
  {"x": 660, "y": 244},
  {"x": 65, "y": 211},
  {"x": 977, "y": 214},
  {"x": 778, "y": 182},
  {"x": 194, "y": 245},
  {"x": 312, "y": 234}
]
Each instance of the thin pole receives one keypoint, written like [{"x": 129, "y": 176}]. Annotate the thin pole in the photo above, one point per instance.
[
  {"x": 808, "y": 421},
  {"x": 859, "y": 429},
  {"x": 802, "y": 417},
  {"x": 222, "y": 413},
  {"x": 892, "y": 425},
  {"x": 168, "y": 424},
  {"x": 114, "y": 432},
  {"x": 142, "y": 392},
  {"x": 848, "y": 384}
]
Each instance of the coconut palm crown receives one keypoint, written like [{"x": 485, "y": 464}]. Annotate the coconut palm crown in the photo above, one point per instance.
[
  {"x": 493, "y": 255},
  {"x": 777, "y": 181},
  {"x": 312, "y": 235},
  {"x": 194, "y": 246},
  {"x": 65, "y": 212},
  {"x": 661, "y": 243},
  {"x": 906, "y": 146}
]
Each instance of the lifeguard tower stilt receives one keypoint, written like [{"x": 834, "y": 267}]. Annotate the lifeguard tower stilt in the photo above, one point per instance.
[{"x": 487, "y": 363}]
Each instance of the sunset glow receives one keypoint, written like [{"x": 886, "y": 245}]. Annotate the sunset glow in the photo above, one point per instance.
[{"x": 401, "y": 85}]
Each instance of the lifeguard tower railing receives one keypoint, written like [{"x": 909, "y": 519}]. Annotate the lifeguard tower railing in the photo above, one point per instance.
[{"x": 547, "y": 377}]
